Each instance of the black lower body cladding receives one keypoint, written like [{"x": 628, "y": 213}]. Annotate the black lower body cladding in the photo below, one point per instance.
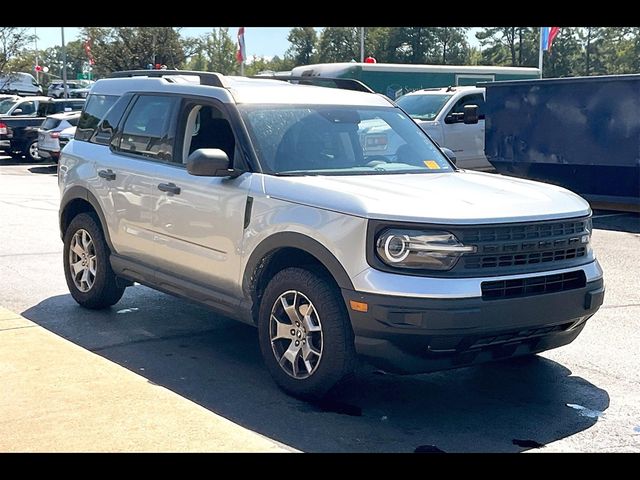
[{"x": 414, "y": 335}]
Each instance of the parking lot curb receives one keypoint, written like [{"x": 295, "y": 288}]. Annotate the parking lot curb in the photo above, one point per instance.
[{"x": 59, "y": 397}]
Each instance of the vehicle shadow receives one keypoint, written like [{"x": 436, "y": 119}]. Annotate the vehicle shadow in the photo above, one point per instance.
[
  {"x": 46, "y": 169},
  {"x": 215, "y": 362}
]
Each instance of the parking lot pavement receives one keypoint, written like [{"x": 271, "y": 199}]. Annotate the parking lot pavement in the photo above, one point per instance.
[
  {"x": 582, "y": 397},
  {"x": 59, "y": 397}
]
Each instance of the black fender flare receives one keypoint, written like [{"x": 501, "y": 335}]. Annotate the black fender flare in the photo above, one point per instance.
[
  {"x": 78, "y": 192},
  {"x": 301, "y": 242}
]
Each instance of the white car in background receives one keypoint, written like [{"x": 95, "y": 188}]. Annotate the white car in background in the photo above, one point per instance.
[
  {"x": 19, "y": 83},
  {"x": 55, "y": 132},
  {"x": 440, "y": 113}
]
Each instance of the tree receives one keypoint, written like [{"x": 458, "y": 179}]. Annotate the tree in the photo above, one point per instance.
[
  {"x": 133, "y": 48},
  {"x": 514, "y": 46},
  {"x": 412, "y": 44},
  {"x": 564, "y": 58},
  {"x": 339, "y": 44},
  {"x": 378, "y": 43},
  {"x": 303, "y": 47},
  {"x": 76, "y": 57},
  {"x": 12, "y": 41},
  {"x": 451, "y": 46}
]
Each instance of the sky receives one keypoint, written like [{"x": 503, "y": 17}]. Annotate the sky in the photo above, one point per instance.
[{"x": 259, "y": 41}]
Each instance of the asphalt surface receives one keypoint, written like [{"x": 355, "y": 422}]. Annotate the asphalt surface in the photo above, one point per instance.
[{"x": 582, "y": 397}]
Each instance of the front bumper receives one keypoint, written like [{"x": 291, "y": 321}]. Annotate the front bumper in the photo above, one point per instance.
[{"x": 411, "y": 335}]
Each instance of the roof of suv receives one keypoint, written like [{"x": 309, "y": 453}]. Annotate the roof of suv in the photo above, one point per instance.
[{"x": 241, "y": 90}]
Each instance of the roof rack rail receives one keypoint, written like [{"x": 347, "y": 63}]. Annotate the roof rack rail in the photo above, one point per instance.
[
  {"x": 343, "y": 83},
  {"x": 206, "y": 78}
]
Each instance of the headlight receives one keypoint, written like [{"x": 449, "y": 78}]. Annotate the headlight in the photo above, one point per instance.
[{"x": 420, "y": 249}]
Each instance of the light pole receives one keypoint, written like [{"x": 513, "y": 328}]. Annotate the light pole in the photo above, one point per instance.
[
  {"x": 64, "y": 65},
  {"x": 35, "y": 39}
]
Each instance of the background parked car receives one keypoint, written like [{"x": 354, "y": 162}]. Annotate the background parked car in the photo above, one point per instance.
[
  {"x": 80, "y": 93},
  {"x": 56, "y": 89},
  {"x": 19, "y": 132},
  {"x": 19, "y": 83},
  {"x": 21, "y": 106},
  {"x": 55, "y": 132}
]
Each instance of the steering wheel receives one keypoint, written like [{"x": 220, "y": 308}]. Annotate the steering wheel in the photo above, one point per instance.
[{"x": 375, "y": 160}]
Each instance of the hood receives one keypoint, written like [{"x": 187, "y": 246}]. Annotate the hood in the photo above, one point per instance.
[{"x": 461, "y": 197}]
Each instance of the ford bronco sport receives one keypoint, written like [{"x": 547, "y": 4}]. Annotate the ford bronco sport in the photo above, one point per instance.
[{"x": 279, "y": 204}]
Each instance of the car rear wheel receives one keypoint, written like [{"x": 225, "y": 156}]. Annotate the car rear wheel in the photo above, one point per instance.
[
  {"x": 32, "y": 152},
  {"x": 90, "y": 278},
  {"x": 305, "y": 334}
]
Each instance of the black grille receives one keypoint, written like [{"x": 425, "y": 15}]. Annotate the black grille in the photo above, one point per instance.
[
  {"x": 533, "y": 285},
  {"x": 540, "y": 230},
  {"x": 490, "y": 261},
  {"x": 526, "y": 244}
]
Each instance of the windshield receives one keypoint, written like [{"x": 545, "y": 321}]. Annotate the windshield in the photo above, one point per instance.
[
  {"x": 339, "y": 140},
  {"x": 423, "y": 107},
  {"x": 5, "y": 105}
]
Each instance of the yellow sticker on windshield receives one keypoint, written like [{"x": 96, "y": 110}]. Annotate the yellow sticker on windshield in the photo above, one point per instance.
[{"x": 432, "y": 165}]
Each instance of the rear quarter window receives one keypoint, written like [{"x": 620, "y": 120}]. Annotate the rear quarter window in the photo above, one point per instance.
[{"x": 50, "y": 123}]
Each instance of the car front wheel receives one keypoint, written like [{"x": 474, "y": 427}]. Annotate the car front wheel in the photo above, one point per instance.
[{"x": 305, "y": 334}]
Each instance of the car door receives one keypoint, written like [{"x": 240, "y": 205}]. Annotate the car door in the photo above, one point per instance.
[
  {"x": 126, "y": 170},
  {"x": 198, "y": 221},
  {"x": 466, "y": 140}
]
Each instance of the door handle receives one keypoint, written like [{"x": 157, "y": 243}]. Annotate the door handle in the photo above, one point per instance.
[
  {"x": 108, "y": 174},
  {"x": 169, "y": 188}
]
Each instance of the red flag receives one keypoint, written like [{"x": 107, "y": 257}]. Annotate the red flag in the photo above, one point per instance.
[
  {"x": 241, "y": 54},
  {"x": 87, "y": 49}
]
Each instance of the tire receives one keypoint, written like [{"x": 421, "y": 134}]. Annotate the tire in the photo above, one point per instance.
[
  {"x": 98, "y": 289},
  {"x": 314, "y": 379},
  {"x": 31, "y": 152}
]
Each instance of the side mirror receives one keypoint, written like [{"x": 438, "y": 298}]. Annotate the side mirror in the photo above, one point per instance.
[
  {"x": 470, "y": 115},
  {"x": 450, "y": 155},
  {"x": 17, "y": 111},
  {"x": 209, "y": 162}
]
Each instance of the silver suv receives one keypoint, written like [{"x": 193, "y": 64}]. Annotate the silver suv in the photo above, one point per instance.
[{"x": 274, "y": 203}]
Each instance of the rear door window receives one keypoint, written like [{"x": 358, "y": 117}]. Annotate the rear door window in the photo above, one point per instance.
[{"x": 149, "y": 129}]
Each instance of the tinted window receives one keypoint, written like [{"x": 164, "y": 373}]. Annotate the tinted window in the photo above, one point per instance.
[
  {"x": 475, "y": 99},
  {"x": 73, "y": 121},
  {"x": 110, "y": 121},
  {"x": 28, "y": 108},
  {"x": 147, "y": 130},
  {"x": 94, "y": 111},
  {"x": 50, "y": 123},
  {"x": 58, "y": 107},
  {"x": 46, "y": 108}
]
